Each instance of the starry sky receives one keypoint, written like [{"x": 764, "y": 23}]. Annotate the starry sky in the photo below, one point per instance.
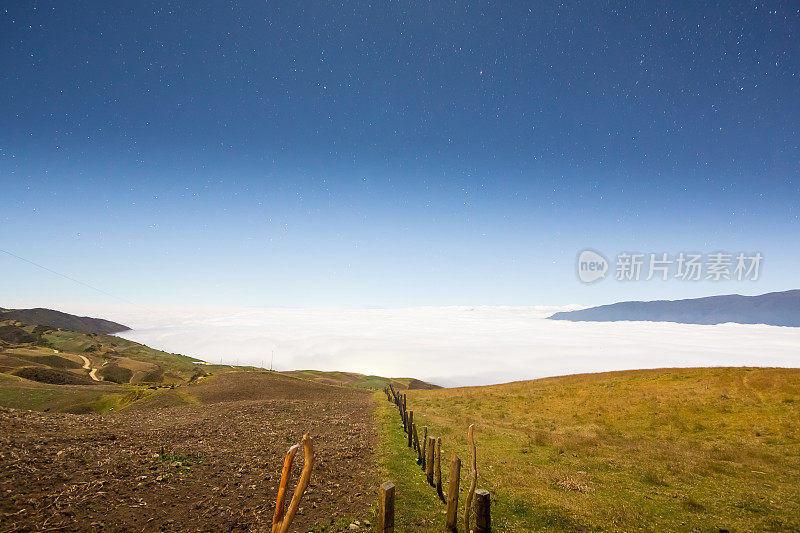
[{"x": 391, "y": 153}]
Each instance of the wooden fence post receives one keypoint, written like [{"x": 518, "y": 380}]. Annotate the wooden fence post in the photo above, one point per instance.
[
  {"x": 405, "y": 420},
  {"x": 437, "y": 469},
  {"x": 429, "y": 460},
  {"x": 280, "y": 502},
  {"x": 386, "y": 508},
  {"x": 282, "y": 526},
  {"x": 416, "y": 444},
  {"x": 483, "y": 522},
  {"x": 410, "y": 425},
  {"x": 473, "y": 475},
  {"x": 424, "y": 444},
  {"x": 452, "y": 494}
]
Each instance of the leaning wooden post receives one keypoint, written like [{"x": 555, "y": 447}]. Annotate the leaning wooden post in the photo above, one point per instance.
[
  {"x": 410, "y": 425},
  {"x": 424, "y": 445},
  {"x": 473, "y": 479},
  {"x": 483, "y": 522},
  {"x": 452, "y": 494},
  {"x": 437, "y": 469},
  {"x": 302, "y": 483},
  {"x": 429, "y": 460},
  {"x": 286, "y": 473},
  {"x": 386, "y": 508}
]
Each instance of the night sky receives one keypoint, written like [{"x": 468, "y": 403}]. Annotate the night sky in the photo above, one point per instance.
[{"x": 391, "y": 154}]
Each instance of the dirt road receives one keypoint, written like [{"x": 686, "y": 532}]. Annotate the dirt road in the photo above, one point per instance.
[
  {"x": 87, "y": 365},
  {"x": 208, "y": 461}
]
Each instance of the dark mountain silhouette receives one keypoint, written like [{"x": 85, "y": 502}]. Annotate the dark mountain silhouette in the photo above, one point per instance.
[
  {"x": 57, "y": 319},
  {"x": 774, "y": 308}
]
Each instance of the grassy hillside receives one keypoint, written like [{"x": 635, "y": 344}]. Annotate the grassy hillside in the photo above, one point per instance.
[
  {"x": 126, "y": 361},
  {"x": 40, "y": 367},
  {"x": 353, "y": 379},
  {"x": 58, "y": 319},
  {"x": 22, "y": 393},
  {"x": 660, "y": 450},
  {"x": 46, "y": 369}
]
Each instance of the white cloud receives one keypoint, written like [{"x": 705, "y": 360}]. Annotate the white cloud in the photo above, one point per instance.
[{"x": 452, "y": 345}]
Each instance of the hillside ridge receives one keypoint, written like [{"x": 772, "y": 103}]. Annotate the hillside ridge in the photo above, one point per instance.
[
  {"x": 40, "y": 316},
  {"x": 773, "y": 309}
]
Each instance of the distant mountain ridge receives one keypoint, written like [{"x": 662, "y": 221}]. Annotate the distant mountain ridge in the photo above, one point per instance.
[
  {"x": 57, "y": 319},
  {"x": 774, "y": 309}
]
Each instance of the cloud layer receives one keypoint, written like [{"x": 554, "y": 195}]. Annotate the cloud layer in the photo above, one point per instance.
[{"x": 453, "y": 345}]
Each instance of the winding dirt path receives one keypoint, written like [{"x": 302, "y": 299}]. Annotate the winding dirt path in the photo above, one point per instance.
[{"x": 87, "y": 365}]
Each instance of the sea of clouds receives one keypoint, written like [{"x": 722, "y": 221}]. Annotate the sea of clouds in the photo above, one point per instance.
[{"x": 451, "y": 345}]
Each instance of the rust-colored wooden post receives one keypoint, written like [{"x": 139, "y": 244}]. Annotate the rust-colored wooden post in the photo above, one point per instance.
[
  {"x": 424, "y": 444},
  {"x": 452, "y": 494},
  {"x": 410, "y": 425},
  {"x": 386, "y": 508},
  {"x": 437, "y": 469},
  {"x": 282, "y": 526},
  {"x": 483, "y": 522},
  {"x": 429, "y": 460},
  {"x": 280, "y": 502}
]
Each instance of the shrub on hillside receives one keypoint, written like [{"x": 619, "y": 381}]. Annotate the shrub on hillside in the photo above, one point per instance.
[
  {"x": 51, "y": 376},
  {"x": 15, "y": 335},
  {"x": 117, "y": 374},
  {"x": 154, "y": 376},
  {"x": 53, "y": 361}
]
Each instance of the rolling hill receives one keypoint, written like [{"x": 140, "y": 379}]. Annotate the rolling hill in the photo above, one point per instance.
[
  {"x": 354, "y": 379},
  {"x": 691, "y": 449},
  {"x": 774, "y": 309},
  {"x": 43, "y": 368},
  {"x": 59, "y": 320}
]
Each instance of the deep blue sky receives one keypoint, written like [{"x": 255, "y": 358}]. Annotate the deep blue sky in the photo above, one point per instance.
[{"x": 391, "y": 154}]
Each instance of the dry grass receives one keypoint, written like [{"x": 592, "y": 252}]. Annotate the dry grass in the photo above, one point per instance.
[{"x": 676, "y": 449}]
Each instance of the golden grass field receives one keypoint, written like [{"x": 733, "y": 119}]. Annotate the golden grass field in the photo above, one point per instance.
[{"x": 702, "y": 449}]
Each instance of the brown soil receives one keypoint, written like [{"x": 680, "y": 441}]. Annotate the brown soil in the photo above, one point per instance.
[{"x": 177, "y": 464}]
